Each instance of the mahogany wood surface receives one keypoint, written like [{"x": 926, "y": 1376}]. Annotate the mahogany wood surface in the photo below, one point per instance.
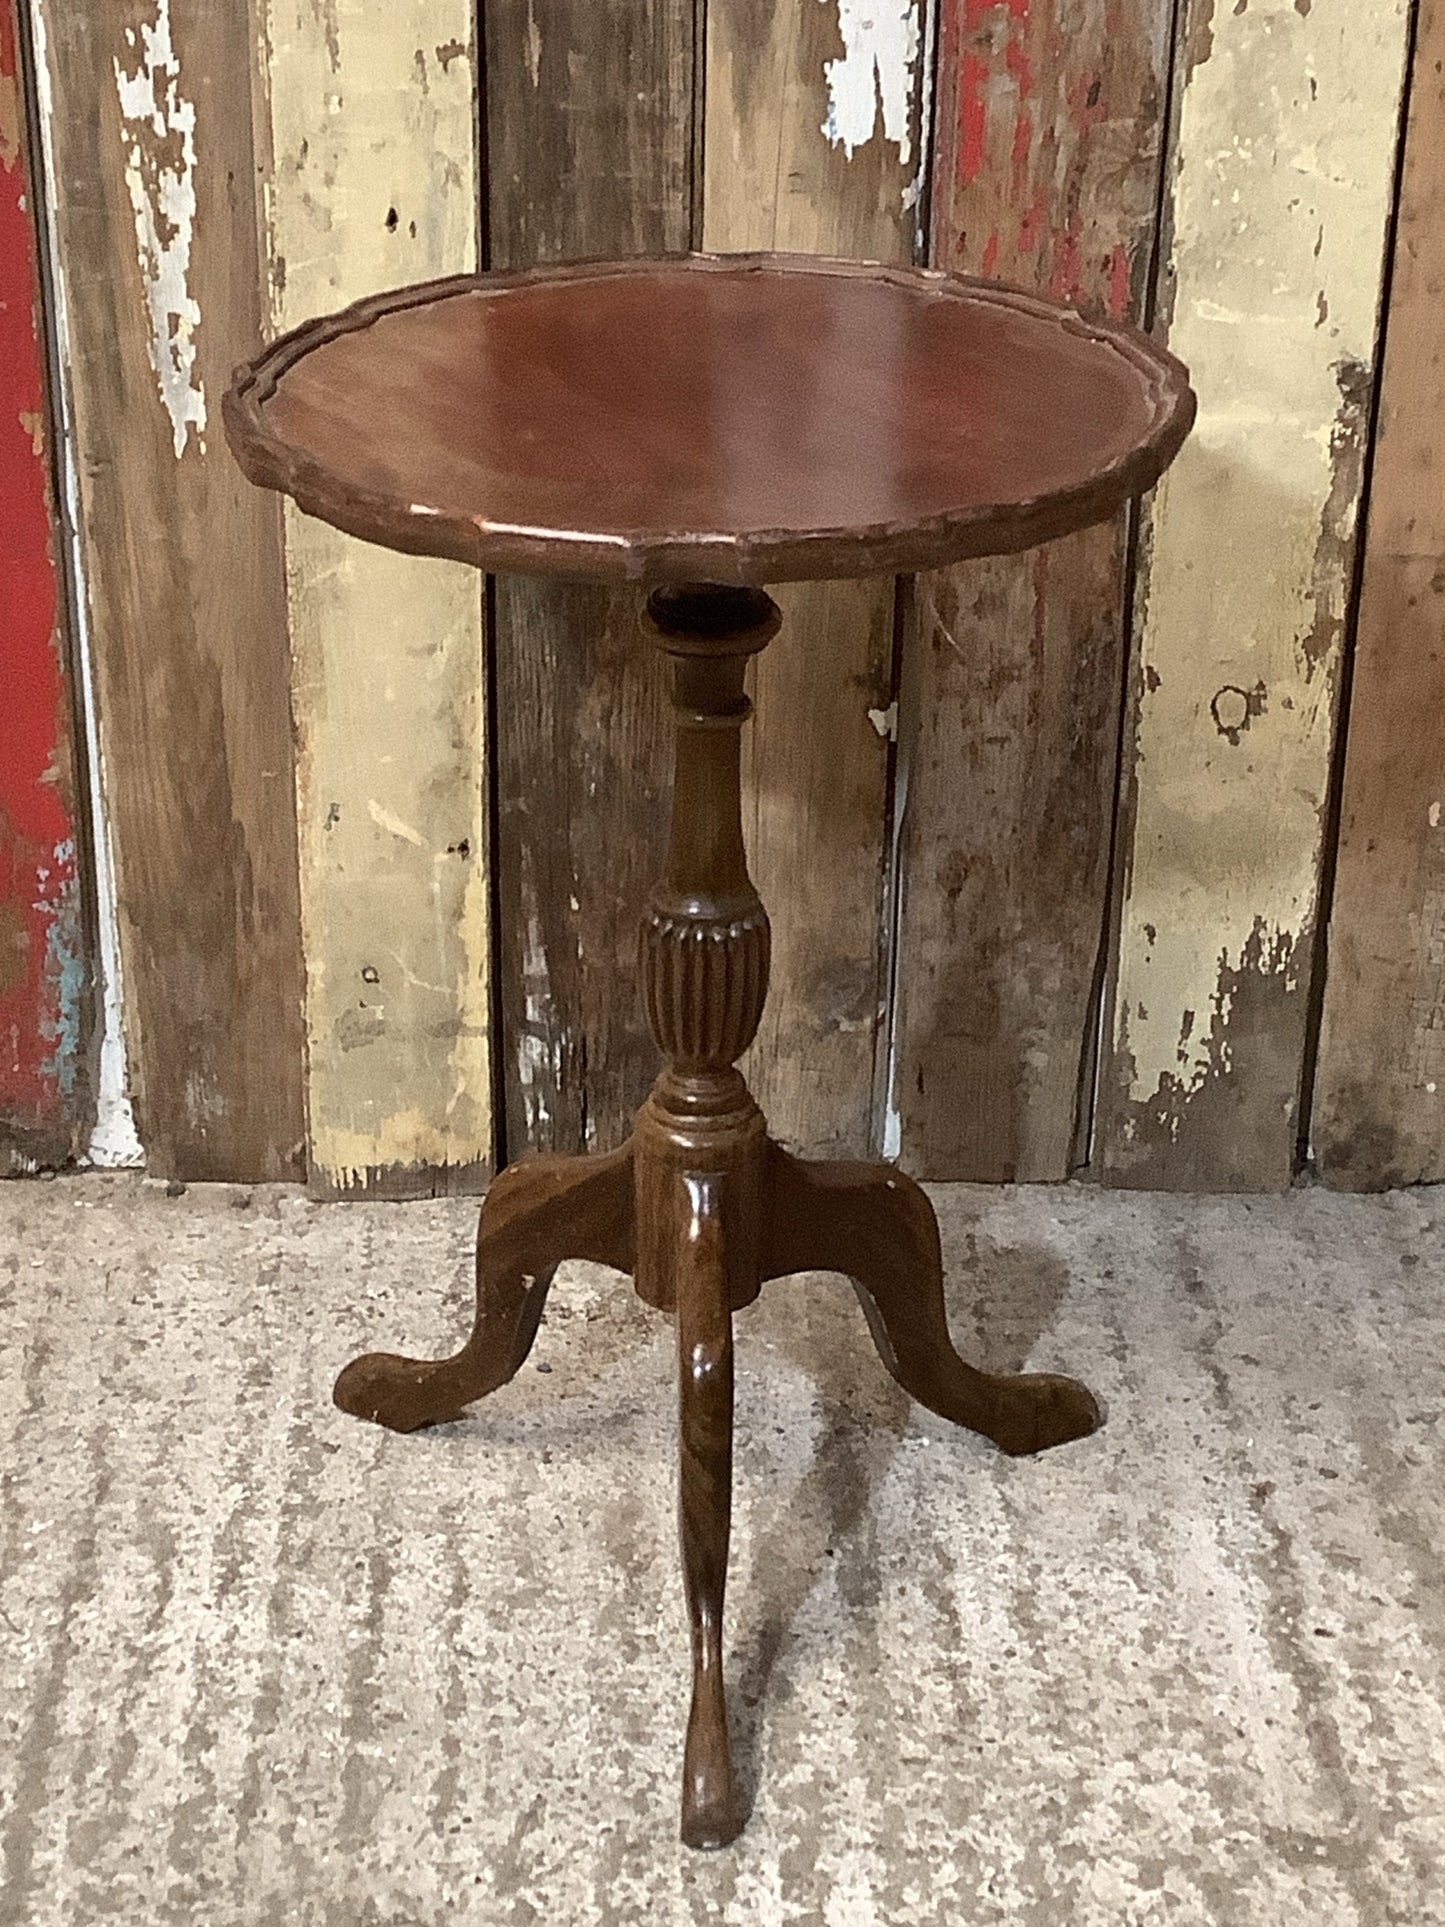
[
  {"x": 710, "y": 418},
  {"x": 700, "y": 1205}
]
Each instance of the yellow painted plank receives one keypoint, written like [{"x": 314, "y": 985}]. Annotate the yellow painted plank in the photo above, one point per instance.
[
  {"x": 1280, "y": 201},
  {"x": 812, "y": 143},
  {"x": 373, "y": 181}
]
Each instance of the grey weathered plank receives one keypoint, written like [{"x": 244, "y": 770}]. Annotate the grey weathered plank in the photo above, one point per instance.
[
  {"x": 1046, "y": 172},
  {"x": 1379, "y": 1113},
  {"x": 590, "y": 152},
  {"x": 812, "y": 135},
  {"x": 156, "y": 221}
]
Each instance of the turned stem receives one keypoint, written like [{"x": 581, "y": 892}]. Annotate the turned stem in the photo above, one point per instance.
[
  {"x": 707, "y": 864},
  {"x": 705, "y": 936},
  {"x": 700, "y": 1144}
]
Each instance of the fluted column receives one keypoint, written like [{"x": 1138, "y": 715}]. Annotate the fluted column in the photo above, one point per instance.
[{"x": 705, "y": 941}]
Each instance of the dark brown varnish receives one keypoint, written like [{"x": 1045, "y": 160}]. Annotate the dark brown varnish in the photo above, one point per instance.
[
  {"x": 705, "y": 423},
  {"x": 700, "y": 1205},
  {"x": 742, "y": 419}
]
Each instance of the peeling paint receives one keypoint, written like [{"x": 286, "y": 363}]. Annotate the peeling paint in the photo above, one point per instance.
[
  {"x": 876, "y": 77},
  {"x": 1235, "y": 709},
  {"x": 1199, "y": 34},
  {"x": 325, "y": 11},
  {"x": 1223, "y": 861},
  {"x": 67, "y": 971},
  {"x": 114, "y": 1142},
  {"x": 540, "y": 1040},
  {"x": 160, "y": 171},
  {"x": 43, "y": 967},
  {"x": 1252, "y": 1006}
]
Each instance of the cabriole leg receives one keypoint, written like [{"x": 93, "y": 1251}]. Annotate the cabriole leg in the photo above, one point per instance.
[
  {"x": 877, "y": 1227},
  {"x": 537, "y": 1213}
]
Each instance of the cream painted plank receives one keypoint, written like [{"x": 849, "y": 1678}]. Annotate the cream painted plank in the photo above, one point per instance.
[
  {"x": 1287, "y": 136},
  {"x": 812, "y": 143},
  {"x": 373, "y": 181},
  {"x": 1379, "y": 1114}
]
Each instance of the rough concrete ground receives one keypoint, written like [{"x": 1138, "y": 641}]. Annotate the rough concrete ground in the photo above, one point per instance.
[{"x": 262, "y": 1664}]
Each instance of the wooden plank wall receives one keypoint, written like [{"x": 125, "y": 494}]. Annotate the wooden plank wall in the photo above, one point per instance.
[
  {"x": 154, "y": 217},
  {"x": 370, "y": 177},
  {"x": 590, "y": 150},
  {"x": 1278, "y": 210},
  {"x": 46, "y": 979},
  {"x": 1223, "y": 173},
  {"x": 813, "y": 141},
  {"x": 1379, "y": 1116},
  {"x": 1046, "y": 173}
]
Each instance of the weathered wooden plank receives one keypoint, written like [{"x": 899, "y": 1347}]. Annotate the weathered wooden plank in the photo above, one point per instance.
[
  {"x": 372, "y": 180},
  {"x": 1279, "y": 210},
  {"x": 812, "y": 142},
  {"x": 155, "y": 222},
  {"x": 590, "y": 139},
  {"x": 46, "y": 980},
  {"x": 1379, "y": 1113},
  {"x": 1049, "y": 122}
]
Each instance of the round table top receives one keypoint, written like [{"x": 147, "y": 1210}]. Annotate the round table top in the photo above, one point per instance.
[{"x": 710, "y": 418}]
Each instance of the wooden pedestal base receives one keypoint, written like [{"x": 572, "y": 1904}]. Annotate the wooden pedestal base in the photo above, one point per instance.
[{"x": 702, "y": 1207}]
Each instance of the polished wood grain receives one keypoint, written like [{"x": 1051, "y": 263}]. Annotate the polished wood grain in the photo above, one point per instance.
[
  {"x": 711, "y": 1810},
  {"x": 536, "y": 1214},
  {"x": 875, "y": 1225},
  {"x": 734, "y": 419},
  {"x": 675, "y": 413},
  {"x": 700, "y": 1205}
]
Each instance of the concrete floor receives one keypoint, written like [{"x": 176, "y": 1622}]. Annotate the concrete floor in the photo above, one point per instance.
[{"x": 261, "y": 1664}]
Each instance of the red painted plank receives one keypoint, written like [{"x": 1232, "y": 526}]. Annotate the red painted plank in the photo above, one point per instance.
[
  {"x": 42, "y": 961},
  {"x": 1048, "y": 117}
]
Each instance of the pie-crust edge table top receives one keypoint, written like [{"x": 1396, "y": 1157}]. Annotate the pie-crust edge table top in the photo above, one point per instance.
[{"x": 738, "y": 419}]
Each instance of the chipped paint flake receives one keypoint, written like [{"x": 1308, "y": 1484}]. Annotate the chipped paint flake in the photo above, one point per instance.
[
  {"x": 539, "y": 1047},
  {"x": 875, "y": 78},
  {"x": 160, "y": 176},
  {"x": 388, "y": 820}
]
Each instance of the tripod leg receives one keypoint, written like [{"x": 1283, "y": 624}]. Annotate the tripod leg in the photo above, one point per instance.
[
  {"x": 710, "y": 1816},
  {"x": 537, "y": 1213},
  {"x": 876, "y": 1226}
]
